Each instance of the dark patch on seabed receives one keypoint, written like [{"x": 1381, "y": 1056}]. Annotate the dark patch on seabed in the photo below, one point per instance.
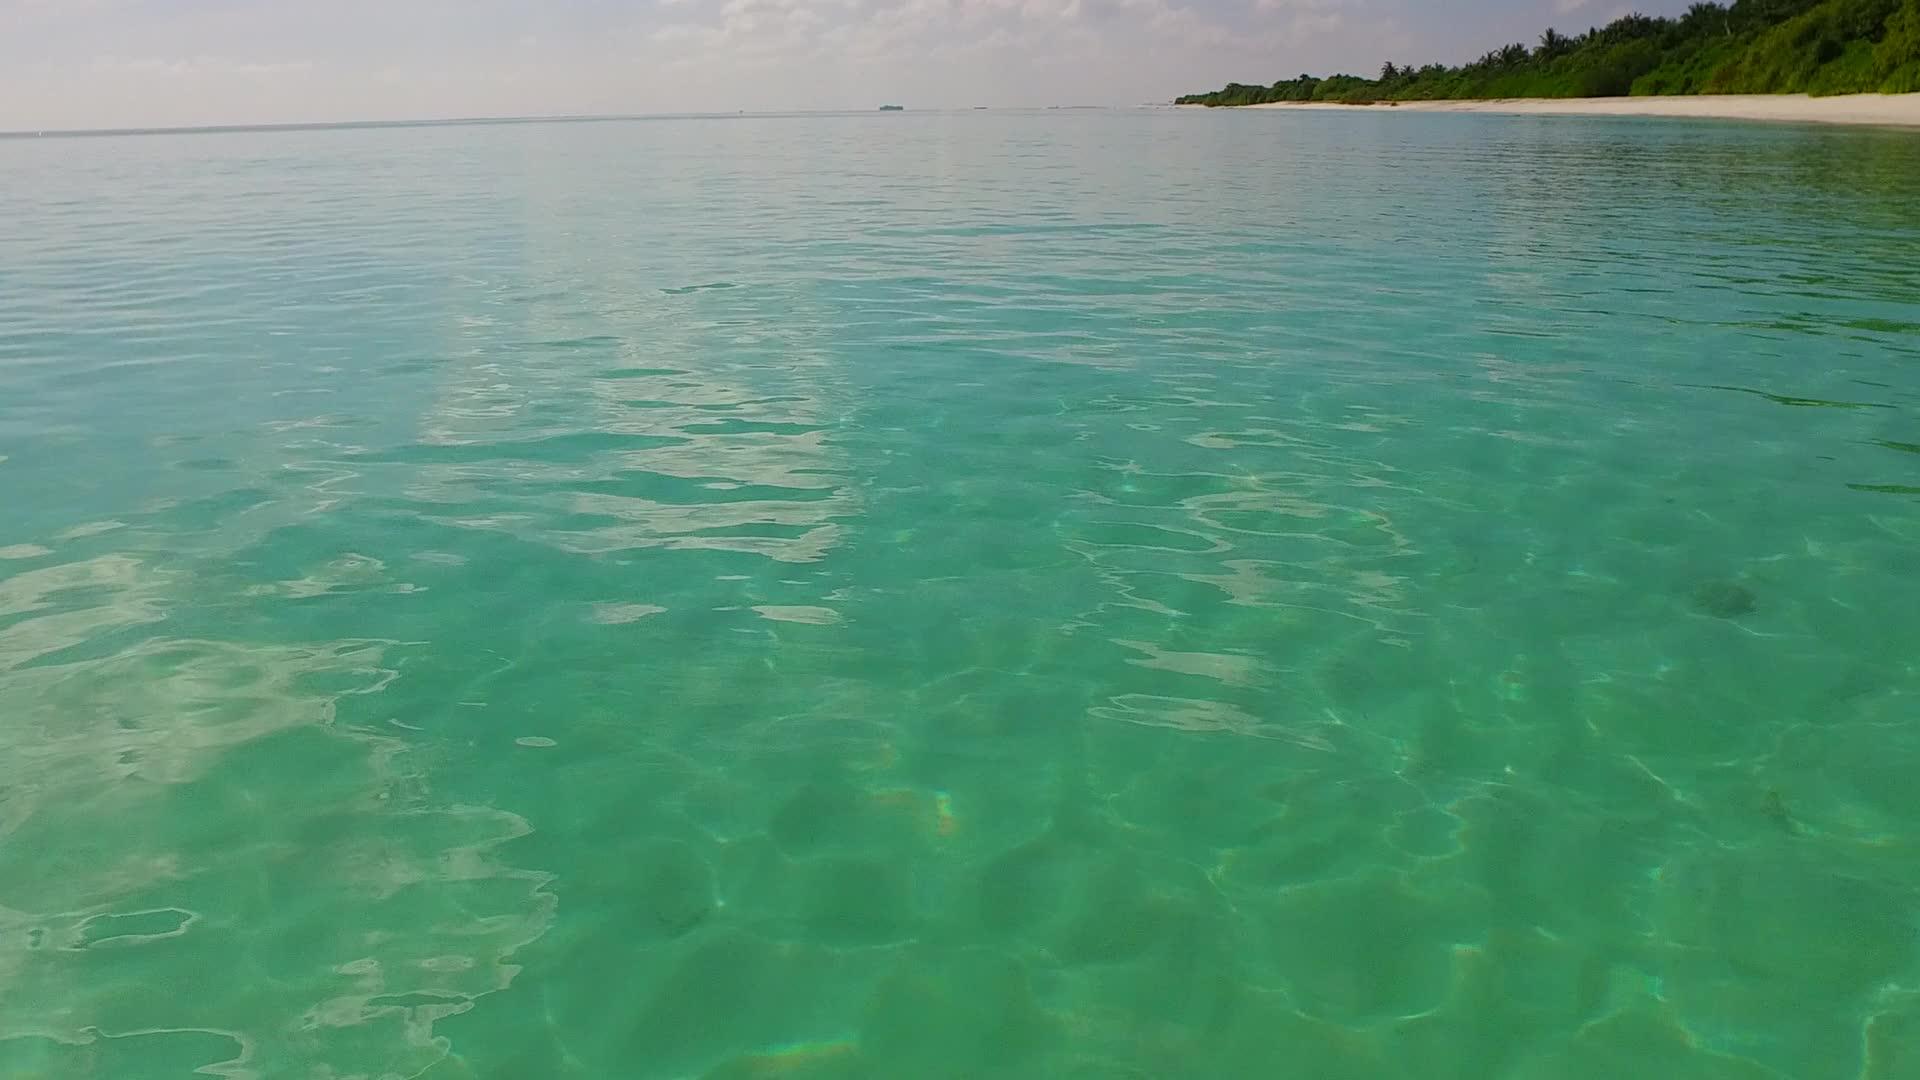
[{"x": 1724, "y": 599}]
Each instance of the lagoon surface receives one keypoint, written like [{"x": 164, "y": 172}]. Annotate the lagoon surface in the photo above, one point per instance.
[{"x": 1073, "y": 594}]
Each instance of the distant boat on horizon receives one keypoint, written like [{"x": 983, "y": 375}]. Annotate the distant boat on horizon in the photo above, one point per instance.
[{"x": 893, "y": 108}]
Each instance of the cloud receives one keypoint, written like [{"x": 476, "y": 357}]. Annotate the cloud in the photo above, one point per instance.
[
  {"x": 886, "y": 32},
  {"x": 198, "y": 66}
]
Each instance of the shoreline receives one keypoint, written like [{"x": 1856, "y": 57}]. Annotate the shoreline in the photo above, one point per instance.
[{"x": 1894, "y": 110}]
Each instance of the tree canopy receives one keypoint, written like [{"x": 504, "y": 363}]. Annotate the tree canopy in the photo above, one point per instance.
[{"x": 1747, "y": 47}]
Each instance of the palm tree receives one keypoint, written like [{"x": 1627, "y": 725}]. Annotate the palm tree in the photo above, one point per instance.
[
  {"x": 1704, "y": 13},
  {"x": 1629, "y": 27},
  {"x": 1552, "y": 43}
]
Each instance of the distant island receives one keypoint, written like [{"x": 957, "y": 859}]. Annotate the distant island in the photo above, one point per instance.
[
  {"x": 893, "y": 108},
  {"x": 1818, "y": 47}
]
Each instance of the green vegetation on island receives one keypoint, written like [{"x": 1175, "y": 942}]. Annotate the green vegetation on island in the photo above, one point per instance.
[{"x": 1750, "y": 47}]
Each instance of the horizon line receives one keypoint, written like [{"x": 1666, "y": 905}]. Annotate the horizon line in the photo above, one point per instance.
[{"x": 481, "y": 121}]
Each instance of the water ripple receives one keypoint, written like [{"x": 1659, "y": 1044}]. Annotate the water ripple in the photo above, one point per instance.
[{"x": 1133, "y": 592}]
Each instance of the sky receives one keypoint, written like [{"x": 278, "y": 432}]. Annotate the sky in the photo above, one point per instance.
[{"x": 157, "y": 63}]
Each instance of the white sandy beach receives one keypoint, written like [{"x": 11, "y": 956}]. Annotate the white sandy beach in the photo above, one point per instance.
[{"x": 1890, "y": 109}]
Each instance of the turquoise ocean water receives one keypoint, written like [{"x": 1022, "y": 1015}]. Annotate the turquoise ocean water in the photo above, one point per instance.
[{"x": 1000, "y": 595}]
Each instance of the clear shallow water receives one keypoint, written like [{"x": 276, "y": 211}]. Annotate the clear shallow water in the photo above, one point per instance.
[{"x": 1084, "y": 595}]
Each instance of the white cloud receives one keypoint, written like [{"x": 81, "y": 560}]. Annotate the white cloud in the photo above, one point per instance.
[{"x": 197, "y": 66}]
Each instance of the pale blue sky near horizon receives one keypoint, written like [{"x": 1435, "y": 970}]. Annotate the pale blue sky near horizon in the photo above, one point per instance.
[{"x": 154, "y": 63}]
